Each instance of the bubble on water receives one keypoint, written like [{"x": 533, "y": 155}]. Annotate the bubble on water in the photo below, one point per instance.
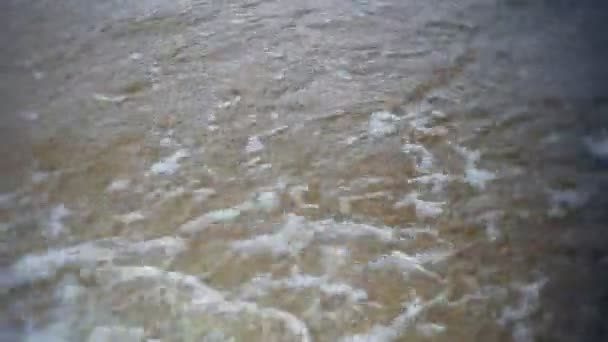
[
  {"x": 254, "y": 144},
  {"x": 118, "y": 185},
  {"x": 166, "y": 142},
  {"x": 55, "y": 225},
  {"x": 30, "y": 116},
  {"x": 135, "y": 56},
  {"x": 228, "y": 104},
  {"x": 169, "y": 165},
  {"x": 382, "y": 124}
]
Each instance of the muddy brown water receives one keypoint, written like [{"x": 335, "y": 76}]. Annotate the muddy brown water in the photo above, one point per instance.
[{"x": 282, "y": 170}]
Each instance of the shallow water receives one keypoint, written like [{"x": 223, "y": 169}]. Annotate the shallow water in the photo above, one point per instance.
[{"x": 294, "y": 171}]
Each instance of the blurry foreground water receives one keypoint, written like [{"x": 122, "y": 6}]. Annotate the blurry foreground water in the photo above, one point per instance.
[{"x": 275, "y": 170}]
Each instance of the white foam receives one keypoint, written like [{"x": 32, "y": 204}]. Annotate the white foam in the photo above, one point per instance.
[
  {"x": 330, "y": 229},
  {"x": 404, "y": 263},
  {"x": 267, "y": 200},
  {"x": 116, "y": 333},
  {"x": 391, "y": 332},
  {"x": 167, "y": 142},
  {"x": 424, "y": 157},
  {"x": 228, "y": 104},
  {"x": 202, "y": 222},
  {"x": 478, "y": 177},
  {"x": 55, "y": 225},
  {"x": 68, "y": 290},
  {"x": 382, "y": 124},
  {"x": 598, "y": 147},
  {"x": 36, "y": 267},
  {"x": 169, "y": 165},
  {"x": 118, "y": 185},
  {"x": 430, "y": 330},
  {"x": 135, "y": 56},
  {"x": 116, "y": 99},
  {"x": 168, "y": 245},
  {"x": 490, "y": 220},
  {"x": 261, "y": 285},
  {"x": 475, "y": 176},
  {"x": 274, "y": 131},
  {"x": 528, "y": 302},
  {"x": 223, "y": 215},
  {"x": 351, "y": 140},
  {"x": 254, "y": 144},
  {"x": 345, "y": 202},
  {"x": 424, "y": 209},
  {"x": 438, "y": 181},
  {"x": 39, "y": 177},
  {"x": 293, "y": 237},
  {"x": 130, "y": 218},
  {"x": 204, "y": 298}
]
